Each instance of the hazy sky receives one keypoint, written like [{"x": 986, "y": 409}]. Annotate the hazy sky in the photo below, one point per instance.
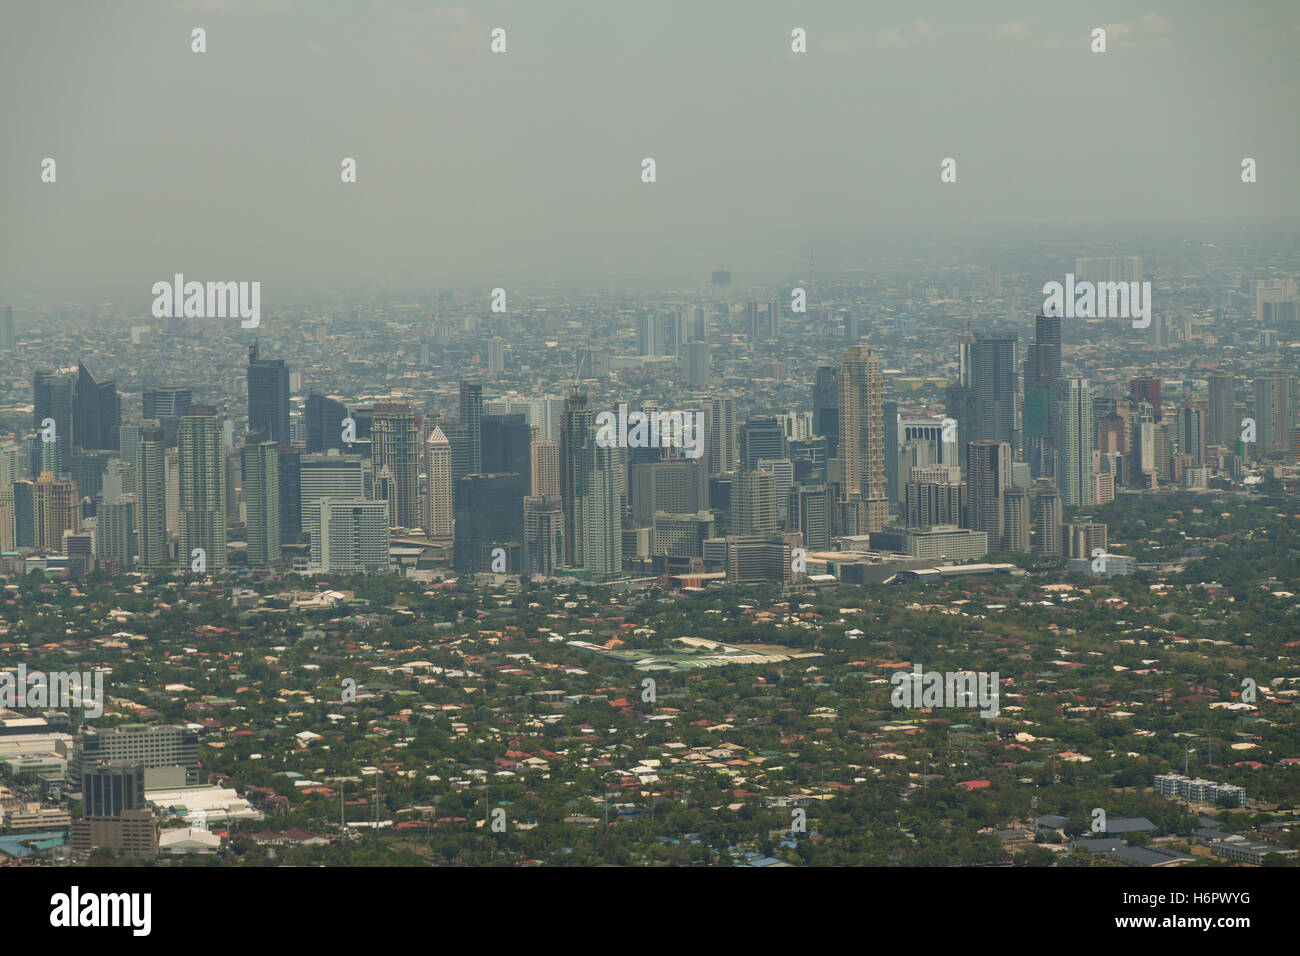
[{"x": 482, "y": 168}]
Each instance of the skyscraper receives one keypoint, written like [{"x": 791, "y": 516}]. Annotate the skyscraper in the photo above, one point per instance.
[
  {"x": 333, "y": 476},
  {"x": 576, "y": 431},
  {"x": 56, "y": 509},
  {"x": 1148, "y": 390},
  {"x": 96, "y": 412},
  {"x": 53, "y": 403},
  {"x": 202, "y": 476},
  {"x": 988, "y": 481},
  {"x": 268, "y": 397},
  {"x": 1042, "y": 379},
  {"x": 1222, "y": 426},
  {"x": 471, "y": 415},
  {"x": 325, "y": 424},
  {"x": 506, "y": 440},
  {"x": 290, "y": 495},
  {"x": 1047, "y": 520},
  {"x": 1075, "y": 429},
  {"x": 353, "y": 535},
  {"x": 1275, "y": 413},
  {"x": 166, "y": 406},
  {"x": 261, "y": 461},
  {"x": 543, "y": 534},
  {"x": 753, "y": 503},
  {"x": 395, "y": 442},
  {"x": 696, "y": 364},
  {"x": 721, "y": 427},
  {"x": 862, "y": 439},
  {"x": 545, "y": 455},
  {"x": 7, "y": 337},
  {"x": 438, "y": 495},
  {"x": 489, "y": 515},
  {"x": 151, "y": 495},
  {"x": 826, "y": 407},
  {"x": 761, "y": 437}
]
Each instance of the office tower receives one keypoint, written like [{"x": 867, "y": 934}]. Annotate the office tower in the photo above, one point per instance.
[
  {"x": 852, "y": 329},
  {"x": 1147, "y": 390},
  {"x": 988, "y": 479},
  {"x": 862, "y": 440},
  {"x": 892, "y": 424},
  {"x": 1190, "y": 427},
  {"x": 290, "y": 473},
  {"x": 115, "y": 537},
  {"x": 79, "y": 547},
  {"x": 774, "y": 317},
  {"x": 96, "y": 412},
  {"x": 7, "y": 337},
  {"x": 1222, "y": 425},
  {"x": 1015, "y": 510},
  {"x": 24, "y": 514},
  {"x": 810, "y": 508},
  {"x": 489, "y": 514},
  {"x": 330, "y": 475},
  {"x": 11, "y": 472},
  {"x": 395, "y": 447},
  {"x": 234, "y": 482},
  {"x": 506, "y": 445},
  {"x": 681, "y": 535},
  {"x": 53, "y": 401},
  {"x": 1047, "y": 522},
  {"x": 166, "y": 406},
  {"x": 985, "y": 397},
  {"x": 202, "y": 483},
  {"x": 1042, "y": 380},
  {"x": 151, "y": 497},
  {"x": 438, "y": 507},
  {"x": 782, "y": 470},
  {"x": 601, "y": 511},
  {"x": 87, "y": 469},
  {"x": 1075, "y": 442},
  {"x": 1084, "y": 537},
  {"x": 268, "y": 397},
  {"x": 496, "y": 356},
  {"x": 826, "y": 407},
  {"x": 352, "y": 536},
  {"x": 722, "y": 437},
  {"x": 677, "y": 486},
  {"x": 325, "y": 419},
  {"x": 696, "y": 364},
  {"x": 545, "y": 455},
  {"x": 56, "y": 507},
  {"x": 761, "y": 437},
  {"x": 471, "y": 415},
  {"x": 261, "y": 466},
  {"x": 697, "y": 325},
  {"x": 543, "y": 534},
  {"x": 753, "y": 503},
  {"x": 928, "y": 503},
  {"x": 576, "y": 432},
  {"x": 1275, "y": 413}
]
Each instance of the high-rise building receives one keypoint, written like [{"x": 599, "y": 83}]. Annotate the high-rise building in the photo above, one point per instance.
[
  {"x": 7, "y": 337},
  {"x": 722, "y": 435},
  {"x": 261, "y": 466},
  {"x": 202, "y": 477},
  {"x": 96, "y": 412},
  {"x": 697, "y": 369},
  {"x": 862, "y": 439},
  {"x": 268, "y": 397},
  {"x": 1190, "y": 427},
  {"x": 810, "y": 514},
  {"x": 56, "y": 509},
  {"x": 329, "y": 475},
  {"x": 1075, "y": 431},
  {"x": 576, "y": 433},
  {"x": 675, "y": 485},
  {"x": 471, "y": 415},
  {"x": 826, "y": 407},
  {"x": 325, "y": 419},
  {"x": 1275, "y": 413},
  {"x": 395, "y": 447},
  {"x": 438, "y": 507},
  {"x": 753, "y": 503},
  {"x": 151, "y": 496},
  {"x": 1147, "y": 390},
  {"x": 545, "y": 456},
  {"x": 543, "y": 534},
  {"x": 984, "y": 400},
  {"x": 496, "y": 356},
  {"x": 290, "y": 495},
  {"x": 353, "y": 535},
  {"x": 1222, "y": 426},
  {"x": 1042, "y": 380},
  {"x": 1047, "y": 522},
  {"x": 53, "y": 403},
  {"x": 928, "y": 503},
  {"x": 761, "y": 437},
  {"x": 506, "y": 440},
  {"x": 600, "y": 510},
  {"x": 166, "y": 406},
  {"x": 989, "y": 480},
  {"x": 1015, "y": 510},
  {"x": 489, "y": 515}
]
